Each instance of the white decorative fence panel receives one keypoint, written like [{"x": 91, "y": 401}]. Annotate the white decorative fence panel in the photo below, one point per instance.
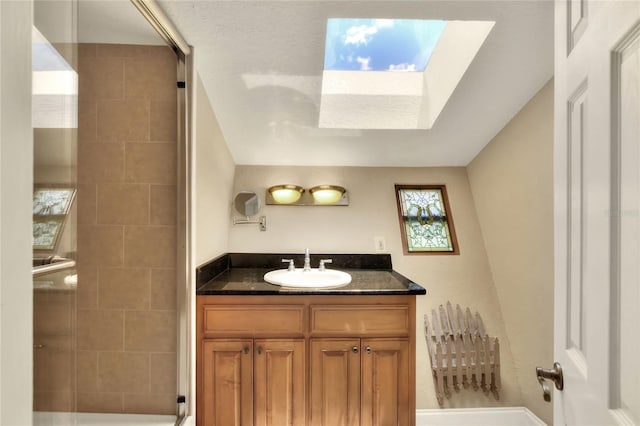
[{"x": 461, "y": 353}]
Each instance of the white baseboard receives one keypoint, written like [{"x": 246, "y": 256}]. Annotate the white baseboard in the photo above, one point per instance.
[{"x": 496, "y": 416}]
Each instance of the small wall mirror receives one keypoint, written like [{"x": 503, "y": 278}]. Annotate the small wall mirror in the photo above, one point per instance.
[{"x": 247, "y": 203}]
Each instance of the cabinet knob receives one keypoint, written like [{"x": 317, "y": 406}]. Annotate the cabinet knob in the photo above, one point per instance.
[
  {"x": 245, "y": 350},
  {"x": 368, "y": 350},
  {"x": 259, "y": 350},
  {"x": 354, "y": 349}
]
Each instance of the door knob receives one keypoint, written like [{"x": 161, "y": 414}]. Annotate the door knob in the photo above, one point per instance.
[{"x": 554, "y": 374}]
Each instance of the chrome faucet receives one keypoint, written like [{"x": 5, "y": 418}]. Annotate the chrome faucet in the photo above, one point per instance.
[
  {"x": 307, "y": 261},
  {"x": 291, "y": 267},
  {"x": 322, "y": 263}
]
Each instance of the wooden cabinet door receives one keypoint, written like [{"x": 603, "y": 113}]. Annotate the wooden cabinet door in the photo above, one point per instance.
[
  {"x": 385, "y": 383},
  {"x": 279, "y": 382},
  {"x": 227, "y": 373},
  {"x": 335, "y": 382}
]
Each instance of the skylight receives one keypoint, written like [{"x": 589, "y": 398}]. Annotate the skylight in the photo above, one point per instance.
[
  {"x": 54, "y": 86},
  {"x": 380, "y": 44},
  {"x": 357, "y": 95}
]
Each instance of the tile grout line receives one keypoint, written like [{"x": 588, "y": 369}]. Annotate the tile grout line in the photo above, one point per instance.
[{"x": 150, "y": 279}]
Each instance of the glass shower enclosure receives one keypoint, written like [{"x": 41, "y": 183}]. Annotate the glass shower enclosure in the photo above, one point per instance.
[
  {"x": 68, "y": 360},
  {"x": 55, "y": 123}
]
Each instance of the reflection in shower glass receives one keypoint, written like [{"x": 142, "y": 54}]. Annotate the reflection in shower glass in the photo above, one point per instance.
[{"x": 54, "y": 118}]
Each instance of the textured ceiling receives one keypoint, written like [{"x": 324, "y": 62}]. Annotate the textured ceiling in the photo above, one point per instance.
[{"x": 261, "y": 64}]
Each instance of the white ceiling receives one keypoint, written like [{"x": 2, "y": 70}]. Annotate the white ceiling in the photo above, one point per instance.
[
  {"x": 261, "y": 63},
  {"x": 114, "y": 21}
]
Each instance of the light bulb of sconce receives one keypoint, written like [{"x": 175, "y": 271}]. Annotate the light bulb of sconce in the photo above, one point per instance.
[
  {"x": 286, "y": 194},
  {"x": 327, "y": 194}
]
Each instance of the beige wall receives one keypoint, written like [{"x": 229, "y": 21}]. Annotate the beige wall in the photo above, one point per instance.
[
  {"x": 16, "y": 192},
  {"x": 464, "y": 279},
  {"x": 126, "y": 336},
  {"x": 512, "y": 185},
  {"x": 214, "y": 170}
]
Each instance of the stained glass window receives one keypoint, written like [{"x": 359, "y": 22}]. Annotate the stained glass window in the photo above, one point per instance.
[
  {"x": 52, "y": 201},
  {"x": 50, "y": 209},
  {"x": 425, "y": 219}
]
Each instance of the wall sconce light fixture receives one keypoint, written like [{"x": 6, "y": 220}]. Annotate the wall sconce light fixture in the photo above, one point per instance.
[
  {"x": 285, "y": 194},
  {"x": 320, "y": 195},
  {"x": 327, "y": 194}
]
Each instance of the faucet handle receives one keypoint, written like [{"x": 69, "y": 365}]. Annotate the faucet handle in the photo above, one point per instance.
[
  {"x": 322, "y": 262},
  {"x": 291, "y": 267}
]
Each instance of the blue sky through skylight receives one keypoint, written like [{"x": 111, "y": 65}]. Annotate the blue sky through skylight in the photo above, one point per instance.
[{"x": 380, "y": 44}]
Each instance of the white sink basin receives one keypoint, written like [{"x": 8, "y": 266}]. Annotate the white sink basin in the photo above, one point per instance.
[{"x": 314, "y": 278}]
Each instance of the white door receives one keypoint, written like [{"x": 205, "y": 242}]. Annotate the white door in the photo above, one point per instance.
[{"x": 597, "y": 211}]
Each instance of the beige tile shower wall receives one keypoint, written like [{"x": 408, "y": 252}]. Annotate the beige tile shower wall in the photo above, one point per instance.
[
  {"x": 126, "y": 229},
  {"x": 512, "y": 185},
  {"x": 464, "y": 279}
]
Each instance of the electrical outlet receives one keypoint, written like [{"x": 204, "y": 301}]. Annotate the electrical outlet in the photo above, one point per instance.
[{"x": 380, "y": 244}]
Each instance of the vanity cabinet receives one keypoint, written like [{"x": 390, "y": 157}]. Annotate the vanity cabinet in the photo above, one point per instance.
[
  {"x": 360, "y": 382},
  {"x": 306, "y": 360},
  {"x": 253, "y": 382},
  {"x": 227, "y": 373}
]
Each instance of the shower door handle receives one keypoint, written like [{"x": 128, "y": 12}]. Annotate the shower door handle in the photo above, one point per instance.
[{"x": 59, "y": 265}]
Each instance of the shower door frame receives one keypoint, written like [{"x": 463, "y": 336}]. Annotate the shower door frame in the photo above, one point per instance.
[
  {"x": 185, "y": 263},
  {"x": 185, "y": 383}
]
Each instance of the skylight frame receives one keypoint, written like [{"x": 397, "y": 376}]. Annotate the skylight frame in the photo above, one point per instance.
[{"x": 358, "y": 100}]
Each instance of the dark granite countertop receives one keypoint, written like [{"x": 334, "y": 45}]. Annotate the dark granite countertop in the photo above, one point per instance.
[{"x": 242, "y": 274}]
